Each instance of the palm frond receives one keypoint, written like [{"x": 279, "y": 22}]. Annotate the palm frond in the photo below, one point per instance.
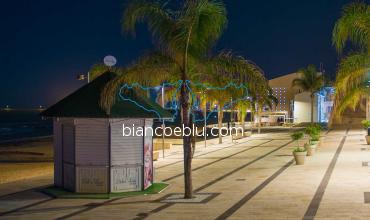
[
  {"x": 310, "y": 80},
  {"x": 226, "y": 68},
  {"x": 350, "y": 99},
  {"x": 241, "y": 70},
  {"x": 160, "y": 20},
  {"x": 202, "y": 23},
  {"x": 153, "y": 69},
  {"x": 353, "y": 25},
  {"x": 150, "y": 70},
  {"x": 353, "y": 70}
]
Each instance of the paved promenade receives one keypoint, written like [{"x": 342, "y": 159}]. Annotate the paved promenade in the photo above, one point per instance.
[{"x": 254, "y": 178}]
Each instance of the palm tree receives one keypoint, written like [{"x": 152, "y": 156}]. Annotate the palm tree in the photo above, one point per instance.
[
  {"x": 310, "y": 81},
  {"x": 352, "y": 75},
  {"x": 263, "y": 98},
  {"x": 220, "y": 97},
  {"x": 184, "y": 38},
  {"x": 242, "y": 105}
]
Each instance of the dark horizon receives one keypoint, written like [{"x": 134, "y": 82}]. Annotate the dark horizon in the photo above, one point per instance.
[{"x": 46, "y": 44}]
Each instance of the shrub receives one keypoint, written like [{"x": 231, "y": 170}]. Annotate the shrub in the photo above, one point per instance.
[
  {"x": 296, "y": 136},
  {"x": 312, "y": 131},
  {"x": 318, "y": 127},
  {"x": 299, "y": 149},
  {"x": 315, "y": 138},
  {"x": 365, "y": 124}
]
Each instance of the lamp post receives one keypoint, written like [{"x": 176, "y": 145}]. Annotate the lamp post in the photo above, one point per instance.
[
  {"x": 205, "y": 119},
  {"x": 203, "y": 92},
  {"x": 163, "y": 125}
]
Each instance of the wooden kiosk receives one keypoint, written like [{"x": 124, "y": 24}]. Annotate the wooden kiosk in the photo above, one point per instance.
[{"x": 91, "y": 154}]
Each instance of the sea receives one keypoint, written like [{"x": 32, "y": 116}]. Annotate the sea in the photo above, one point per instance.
[{"x": 23, "y": 124}]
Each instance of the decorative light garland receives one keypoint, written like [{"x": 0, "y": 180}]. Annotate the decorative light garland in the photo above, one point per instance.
[{"x": 178, "y": 85}]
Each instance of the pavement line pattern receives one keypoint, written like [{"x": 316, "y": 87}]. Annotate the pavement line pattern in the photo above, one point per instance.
[
  {"x": 160, "y": 208},
  {"x": 115, "y": 199},
  {"x": 223, "y": 148},
  {"x": 25, "y": 190},
  {"x": 25, "y": 207},
  {"x": 216, "y": 161},
  {"x": 254, "y": 192},
  {"x": 316, "y": 200},
  {"x": 86, "y": 209},
  {"x": 47, "y": 200},
  {"x": 196, "y": 156},
  {"x": 167, "y": 205},
  {"x": 240, "y": 168}
]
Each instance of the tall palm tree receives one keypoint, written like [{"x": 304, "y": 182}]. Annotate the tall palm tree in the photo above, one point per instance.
[
  {"x": 183, "y": 38},
  {"x": 352, "y": 75},
  {"x": 309, "y": 81}
]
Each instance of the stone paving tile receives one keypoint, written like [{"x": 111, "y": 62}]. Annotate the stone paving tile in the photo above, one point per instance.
[
  {"x": 231, "y": 189},
  {"x": 289, "y": 195},
  {"x": 19, "y": 200},
  {"x": 200, "y": 178},
  {"x": 344, "y": 196},
  {"x": 25, "y": 184},
  {"x": 286, "y": 196}
]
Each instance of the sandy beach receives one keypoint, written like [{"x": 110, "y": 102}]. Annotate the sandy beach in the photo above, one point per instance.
[{"x": 25, "y": 160}]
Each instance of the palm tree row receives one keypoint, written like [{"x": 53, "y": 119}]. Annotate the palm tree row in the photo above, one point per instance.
[
  {"x": 183, "y": 39},
  {"x": 353, "y": 71},
  {"x": 309, "y": 81}
]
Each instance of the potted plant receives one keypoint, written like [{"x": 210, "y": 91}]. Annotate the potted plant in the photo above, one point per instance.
[
  {"x": 299, "y": 153},
  {"x": 366, "y": 125},
  {"x": 315, "y": 139},
  {"x": 313, "y": 132}
]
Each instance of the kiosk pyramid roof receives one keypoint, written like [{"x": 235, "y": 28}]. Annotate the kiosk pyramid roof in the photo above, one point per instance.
[{"x": 84, "y": 103}]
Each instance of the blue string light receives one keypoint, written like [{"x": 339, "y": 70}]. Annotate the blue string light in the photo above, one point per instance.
[{"x": 178, "y": 85}]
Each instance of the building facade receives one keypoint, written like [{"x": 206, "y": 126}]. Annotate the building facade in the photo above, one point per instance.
[
  {"x": 296, "y": 104},
  {"x": 282, "y": 89}
]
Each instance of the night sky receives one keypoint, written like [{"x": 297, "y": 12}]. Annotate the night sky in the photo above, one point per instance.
[{"x": 45, "y": 44}]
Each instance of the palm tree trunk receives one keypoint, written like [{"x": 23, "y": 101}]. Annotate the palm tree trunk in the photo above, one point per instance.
[
  {"x": 242, "y": 119},
  {"x": 312, "y": 97},
  {"x": 220, "y": 116},
  {"x": 188, "y": 183},
  {"x": 252, "y": 120},
  {"x": 259, "y": 123},
  {"x": 186, "y": 143}
]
